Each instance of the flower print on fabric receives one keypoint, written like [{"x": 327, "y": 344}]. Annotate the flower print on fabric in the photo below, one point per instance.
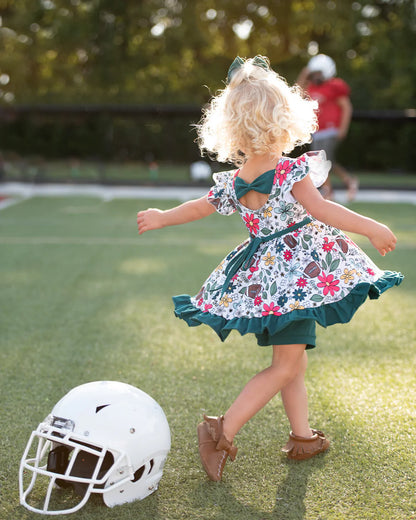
[
  {"x": 226, "y": 300},
  {"x": 301, "y": 282},
  {"x": 301, "y": 160},
  {"x": 311, "y": 268},
  {"x": 282, "y": 171},
  {"x": 294, "y": 271},
  {"x": 268, "y": 259},
  {"x": 327, "y": 246},
  {"x": 219, "y": 195},
  {"x": 284, "y": 210},
  {"x": 329, "y": 284},
  {"x": 252, "y": 223},
  {"x": 288, "y": 255},
  {"x": 271, "y": 308},
  {"x": 298, "y": 294},
  {"x": 349, "y": 275},
  {"x": 296, "y": 306}
]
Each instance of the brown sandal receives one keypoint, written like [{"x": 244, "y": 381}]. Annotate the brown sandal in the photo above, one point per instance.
[
  {"x": 302, "y": 448},
  {"x": 214, "y": 448}
]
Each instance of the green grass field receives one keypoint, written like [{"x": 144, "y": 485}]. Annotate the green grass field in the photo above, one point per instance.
[{"x": 85, "y": 298}]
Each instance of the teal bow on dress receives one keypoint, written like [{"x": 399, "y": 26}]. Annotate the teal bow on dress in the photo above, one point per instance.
[
  {"x": 263, "y": 184},
  {"x": 259, "y": 61}
]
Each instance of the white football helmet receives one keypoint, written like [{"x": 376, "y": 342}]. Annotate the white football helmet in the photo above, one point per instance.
[
  {"x": 324, "y": 64},
  {"x": 102, "y": 437}
]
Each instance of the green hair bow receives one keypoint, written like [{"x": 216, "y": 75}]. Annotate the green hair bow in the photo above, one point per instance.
[{"x": 238, "y": 62}]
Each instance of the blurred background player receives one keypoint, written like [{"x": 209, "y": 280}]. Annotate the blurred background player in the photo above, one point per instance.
[{"x": 334, "y": 115}]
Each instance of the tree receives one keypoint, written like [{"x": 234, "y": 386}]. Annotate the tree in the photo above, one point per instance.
[{"x": 164, "y": 51}]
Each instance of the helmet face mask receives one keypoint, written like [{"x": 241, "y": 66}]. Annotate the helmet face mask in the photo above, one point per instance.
[
  {"x": 112, "y": 441},
  {"x": 316, "y": 77},
  {"x": 83, "y": 465}
]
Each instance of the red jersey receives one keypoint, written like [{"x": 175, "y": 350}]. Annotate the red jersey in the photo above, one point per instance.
[{"x": 327, "y": 95}]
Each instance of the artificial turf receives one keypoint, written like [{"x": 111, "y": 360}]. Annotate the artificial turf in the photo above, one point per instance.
[{"x": 85, "y": 298}]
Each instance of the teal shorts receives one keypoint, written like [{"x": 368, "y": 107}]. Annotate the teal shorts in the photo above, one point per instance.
[{"x": 298, "y": 332}]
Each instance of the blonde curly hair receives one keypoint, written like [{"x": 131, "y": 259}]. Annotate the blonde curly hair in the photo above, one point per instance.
[{"x": 256, "y": 113}]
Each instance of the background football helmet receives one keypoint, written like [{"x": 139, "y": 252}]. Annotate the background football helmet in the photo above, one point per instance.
[
  {"x": 103, "y": 437},
  {"x": 324, "y": 64}
]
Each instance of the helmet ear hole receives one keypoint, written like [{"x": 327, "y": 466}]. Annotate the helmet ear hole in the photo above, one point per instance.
[{"x": 139, "y": 473}]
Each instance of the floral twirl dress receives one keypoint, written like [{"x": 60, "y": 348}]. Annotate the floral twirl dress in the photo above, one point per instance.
[{"x": 291, "y": 269}]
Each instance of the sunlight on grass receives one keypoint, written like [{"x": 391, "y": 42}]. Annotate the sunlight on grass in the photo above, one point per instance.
[{"x": 138, "y": 266}]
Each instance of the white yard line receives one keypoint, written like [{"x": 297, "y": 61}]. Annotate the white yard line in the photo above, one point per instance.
[
  {"x": 106, "y": 193},
  {"x": 20, "y": 191},
  {"x": 5, "y": 203}
]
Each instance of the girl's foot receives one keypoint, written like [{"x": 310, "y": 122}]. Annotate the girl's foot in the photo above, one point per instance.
[
  {"x": 214, "y": 448},
  {"x": 302, "y": 448}
]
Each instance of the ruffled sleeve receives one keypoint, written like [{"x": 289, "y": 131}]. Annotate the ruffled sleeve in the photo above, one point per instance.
[
  {"x": 314, "y": 164},
  {"x": 220, "y": 195}
]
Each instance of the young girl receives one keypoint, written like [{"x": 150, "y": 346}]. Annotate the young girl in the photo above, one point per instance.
[{"x": 296, "y": 269}]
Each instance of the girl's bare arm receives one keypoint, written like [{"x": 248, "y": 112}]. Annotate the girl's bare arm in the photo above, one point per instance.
[
  {"x": 340, "y": 217},
  {"x": 154, "y": 218}
]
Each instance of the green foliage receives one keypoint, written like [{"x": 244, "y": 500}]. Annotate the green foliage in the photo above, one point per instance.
[
  {"x": 101, "y": 137},
  {"x": 379, "y": 145},
  {"x": 84, "y": 298},
  {"x": 178, "y": 52},
  {"x": 166, "y": 50}
]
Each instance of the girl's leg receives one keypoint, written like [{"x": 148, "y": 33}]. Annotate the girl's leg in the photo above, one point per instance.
[
  {"x": 295, "y": 401},
  {"x": 287, "y": 362},
  {"x": 327, "y": 189},
  {"x": 350, "y": 181},
  {"x": 303, "y": 442}
]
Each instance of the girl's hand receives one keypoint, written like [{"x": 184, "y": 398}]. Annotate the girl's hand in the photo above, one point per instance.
[
  {"x": 149, "y": 219},
  {"x": 382, "y": 239},
  {"x": 153, "y": 218}
]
